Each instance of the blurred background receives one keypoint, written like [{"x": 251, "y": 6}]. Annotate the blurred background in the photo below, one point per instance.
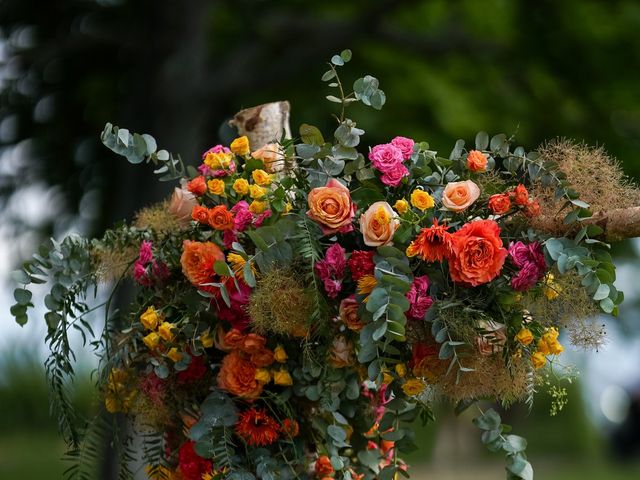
[{"x": 178, "y": 70}]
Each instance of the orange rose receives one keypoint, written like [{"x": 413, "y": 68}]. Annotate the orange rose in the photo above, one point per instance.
[
  {"x": 238, "y": 376},
  {"x": 477, "y": 253},
  {"x": 262, "y": 358},
  {"x": 181, "y": 206},
  {"x": 290, "y": 427},
  {"x": 234, "y": 338},
  {"x": 521, "y": 195},
  {"x": 197, "y": 261},
  {"x": 532, "y": 209},
  {"x": 253, "y": 343},
  {"x": 378, "y": 224},
  {"x": 323, "y": 466},
  {"x": 220, "y": 218},
  {"x": 476, "y": 161},
  {"x": 499, "y": 203},
  {"x": 349, "y": 314},
  {"x": 200, "y": 214},
  {"x": 197, "y": 186},
  {"x": 331, "y": 207},
  {"x": 458, "y": 196}
]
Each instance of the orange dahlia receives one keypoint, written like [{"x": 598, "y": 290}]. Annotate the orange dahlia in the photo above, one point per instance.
[
  {"x": 197, "y": 261},
  {"x": 433, "y": 243},
  {"x": 257, "y": 428}
]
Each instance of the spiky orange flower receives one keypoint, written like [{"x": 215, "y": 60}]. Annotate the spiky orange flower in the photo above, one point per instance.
[
  {"x": 433, "y": 243},
  {"x": 257, "y": 428},
  {"x": 197, "y": 261}
]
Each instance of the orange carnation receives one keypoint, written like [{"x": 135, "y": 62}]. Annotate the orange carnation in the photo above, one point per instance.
[
  {"x": 477, "y": 253},
  {"x": 476, "y": 161},
  {"x": 432, "y": 244},
  {"x": 197, "y": 261},
  {"x": 323, "y": 466},
  {"x": 220, "y": 218},
  {"x": 499, "y": 203},
  {"x": 331, "y": 207},
  {"x": 238, "y": 376}
]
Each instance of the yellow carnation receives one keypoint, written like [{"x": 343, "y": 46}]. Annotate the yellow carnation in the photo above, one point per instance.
[
  {"x": 280, "y": 354},
  {"x": 240, "y": 146},
  {"x": 152, "y": 340},
  {"x": 257, "y": 207},
  {"x": 256, "y": 191},
  {"x": 216, "y": 186},
  {"x": 150, "y": 318},
  {"x": 413, "y": 387},
  {"x": 165, "y": 331},
  {"x": 401, "y": 206},
  {"x": 524, "y": 336},
  {"x": 261, "y": 177},
  {"x": 421, "y": 200},
  {"x": 282, "y": 377},
  {"x": 241, "y": 186}
]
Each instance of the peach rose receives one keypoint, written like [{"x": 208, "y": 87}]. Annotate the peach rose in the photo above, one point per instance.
[
  {"x": 253, "y": 343},
  {"x": 238, "y": 376},
  {"x": 181, "y": 205},
  {"x": 458, "y": 196},
  {"x": 234, "y": 338},
  {"x": 331, "y": 207},
  {"x": 272, "y": 155},
  {"x": 476, "y": 161},
  {"x": 477, "y": 254},
  {"x": 349, "y": 314},
  {"x": 378, "y": 224}
]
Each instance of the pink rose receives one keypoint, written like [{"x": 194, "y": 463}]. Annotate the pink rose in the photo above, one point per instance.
[
  {"x": 378, "y": 224},
  {"x": 405, "y": 145},
  {"x": 393, "y": 177},
  {"x": 386, "y": 157},
  {"x": 261, "y": 218},
  {"x": 527, "y": 277},
  {"x": 458, "y": 196},
  {"x": 216, "y": 149}
]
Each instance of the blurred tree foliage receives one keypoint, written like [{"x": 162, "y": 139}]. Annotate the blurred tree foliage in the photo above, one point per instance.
[{"x": 538, "y": 68}]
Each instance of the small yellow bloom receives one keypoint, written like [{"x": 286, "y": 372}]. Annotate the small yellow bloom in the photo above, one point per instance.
[
  {"x": 241, "y": 186},
  {"x": 548, "y": 344},
  {"x": 401, "y": 370},
  {"x": 421, "y": 200},
  {"x": 257, "y": 207},
  {"x": 413, "y": 387},
  {"x": 216, "y": 186},
  {"x": 280, "y": 354},
  {"x": 165, "y": 331},
  {"x": 174, "y": 354},
  {"x": 150, "y": 318},
  {"x": 387, "y": 378},
  {"x": 550, "y": 288},
  {"x": 152, "y": 340},
  {"x": 538, "y": 360},
  {"x": 401, "y": 206},
  {"x": 206, "y": 339},
  {"x": 217, "y": 161},
  {"x": 261, "y": 177},
  {"x": 366, "y": 284},
  {"x": 287, "y": 208},
  {"x": 411, "y": 251},
  {"x": 282, "y": 377},
  {"x": 263, "y": 376},
  {"x": 240, "y": 146},
  {"x": 524, "y": 336},
  {"x": 257, "y": 192}
]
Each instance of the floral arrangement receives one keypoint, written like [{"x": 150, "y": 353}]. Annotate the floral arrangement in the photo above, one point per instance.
[{"x": 296, "y": 306}]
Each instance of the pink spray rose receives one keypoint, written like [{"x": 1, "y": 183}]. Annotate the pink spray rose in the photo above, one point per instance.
[
  {"x": 386, "y": 157},
  {"x": 405, "y": 145}
]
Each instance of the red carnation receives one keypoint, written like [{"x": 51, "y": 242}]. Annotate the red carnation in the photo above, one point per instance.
[
  {"x": 361, "y": 264},
  {"x": 195, "y": 370},
  {"x": 191, "y": 465}
]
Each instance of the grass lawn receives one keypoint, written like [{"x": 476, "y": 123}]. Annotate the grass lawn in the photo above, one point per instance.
[{"x": 31, "y": 456}]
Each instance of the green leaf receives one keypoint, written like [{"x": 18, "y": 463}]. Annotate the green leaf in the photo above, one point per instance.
[
  {"x": 337, "y": 433},
  {"x": 311, "y": 135},
  {"x": 346, "y": 55},
  {"x": 22, "y": 296},
  {"x": 328, "y": 75},
  {"x": 482, "y": 141},
  {"x": 602, "y": 292},
  {"x": 333, "y": 98},
  {"x": 458, "y": 148},
  {"x": 489, "y": 420},
  {"x": 514, "y": 444},
  {"x": 337, "y": 60},
  {"x": 607, "y": 305},
  {"x": 20, "y": 276},
  {"x": 222, "y": 269}
]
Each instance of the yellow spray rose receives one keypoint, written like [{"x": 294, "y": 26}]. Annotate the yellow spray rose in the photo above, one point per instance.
[
  {"x": 538, "y": 360},
  {"x": 207, "y": 339},
  {"x": 524, "y": 336},
  {"x": 280, "y": 354},
  {"x": 241, "y": 186},
  {"x": 413, "y": 386},
  {"x": 174, "y": 354},
  {"x": 421, "y": 200},
  {"x": 282, "y": 377},
  {"x": 261, "y": 177},
  {"x": 216, "y": 186},
  {"x": 257, "y": 192},
  {"x": 150, "y": 318},
  {"x": 257, "y": 207},
  {"x": 401, "y": 370},
  {"x": 401, "y": 206},
  {"x": 263, "y": 376},
  {"x": 240, "y": 146},
  {"x": 217, "y": 161},
  {"x": 152, "y": 340},
  {"x": 165, "y": 331}
]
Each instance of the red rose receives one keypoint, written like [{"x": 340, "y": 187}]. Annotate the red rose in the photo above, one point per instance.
[
  {"x": 499, "y": 203},
  {"x": 477, "y": 255}
]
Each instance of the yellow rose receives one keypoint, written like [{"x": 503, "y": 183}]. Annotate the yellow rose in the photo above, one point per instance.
[
  {"x": 421, "y": 200},
  {"x": 413, "y": 387},
  {"x": 174, "y": 354},
  {"x": 261, "y": 177},
  {"x": 240, "y": 146},
  {"x": 216, "y": 186},
  {"x": 263, "y": 376},
  {"x": 287, "y": 208},
  {"x": 165, "y": 331},
  {"x": 256, "y": 191},
  {"x": 280, "y": 354},
  {"x": 378, "y": 224},
  {"x": 524, "y": 336},
  {"x": 401, "y": 206},
  {"x": 401, "y": 370},
  {"x": 152, "y": 340},
  {"x": 150, "y": 318},
  {"x": 207, "y": 339},
  {"x": 241, "y": 186},
  {"x": 217, "y": 161},
  {"x": 282, "y": 377},
  {"x": 257, "y": 207},
  {"x": 538, "y": 360}
]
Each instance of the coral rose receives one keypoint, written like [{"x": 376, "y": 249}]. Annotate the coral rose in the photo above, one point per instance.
[
  {"x": 200, "y": 214},
  {"x": 477, "y": 254},
  {"x": 521, "y": 195},
  {"x": 323, "y": 466},
  {"x": 458, "y": 196},
  {"x": 238, "y": 376},
  {"x": 220, "y": 218},
  {"x": 476, "y": 161},
  {"x": 378, "y": 224},
  {"x": 197, "y": 186},
  {"x": 197, "y": 261},
  {"x": 499, "y": 203},
  {"x": 331, "y": 207}
]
